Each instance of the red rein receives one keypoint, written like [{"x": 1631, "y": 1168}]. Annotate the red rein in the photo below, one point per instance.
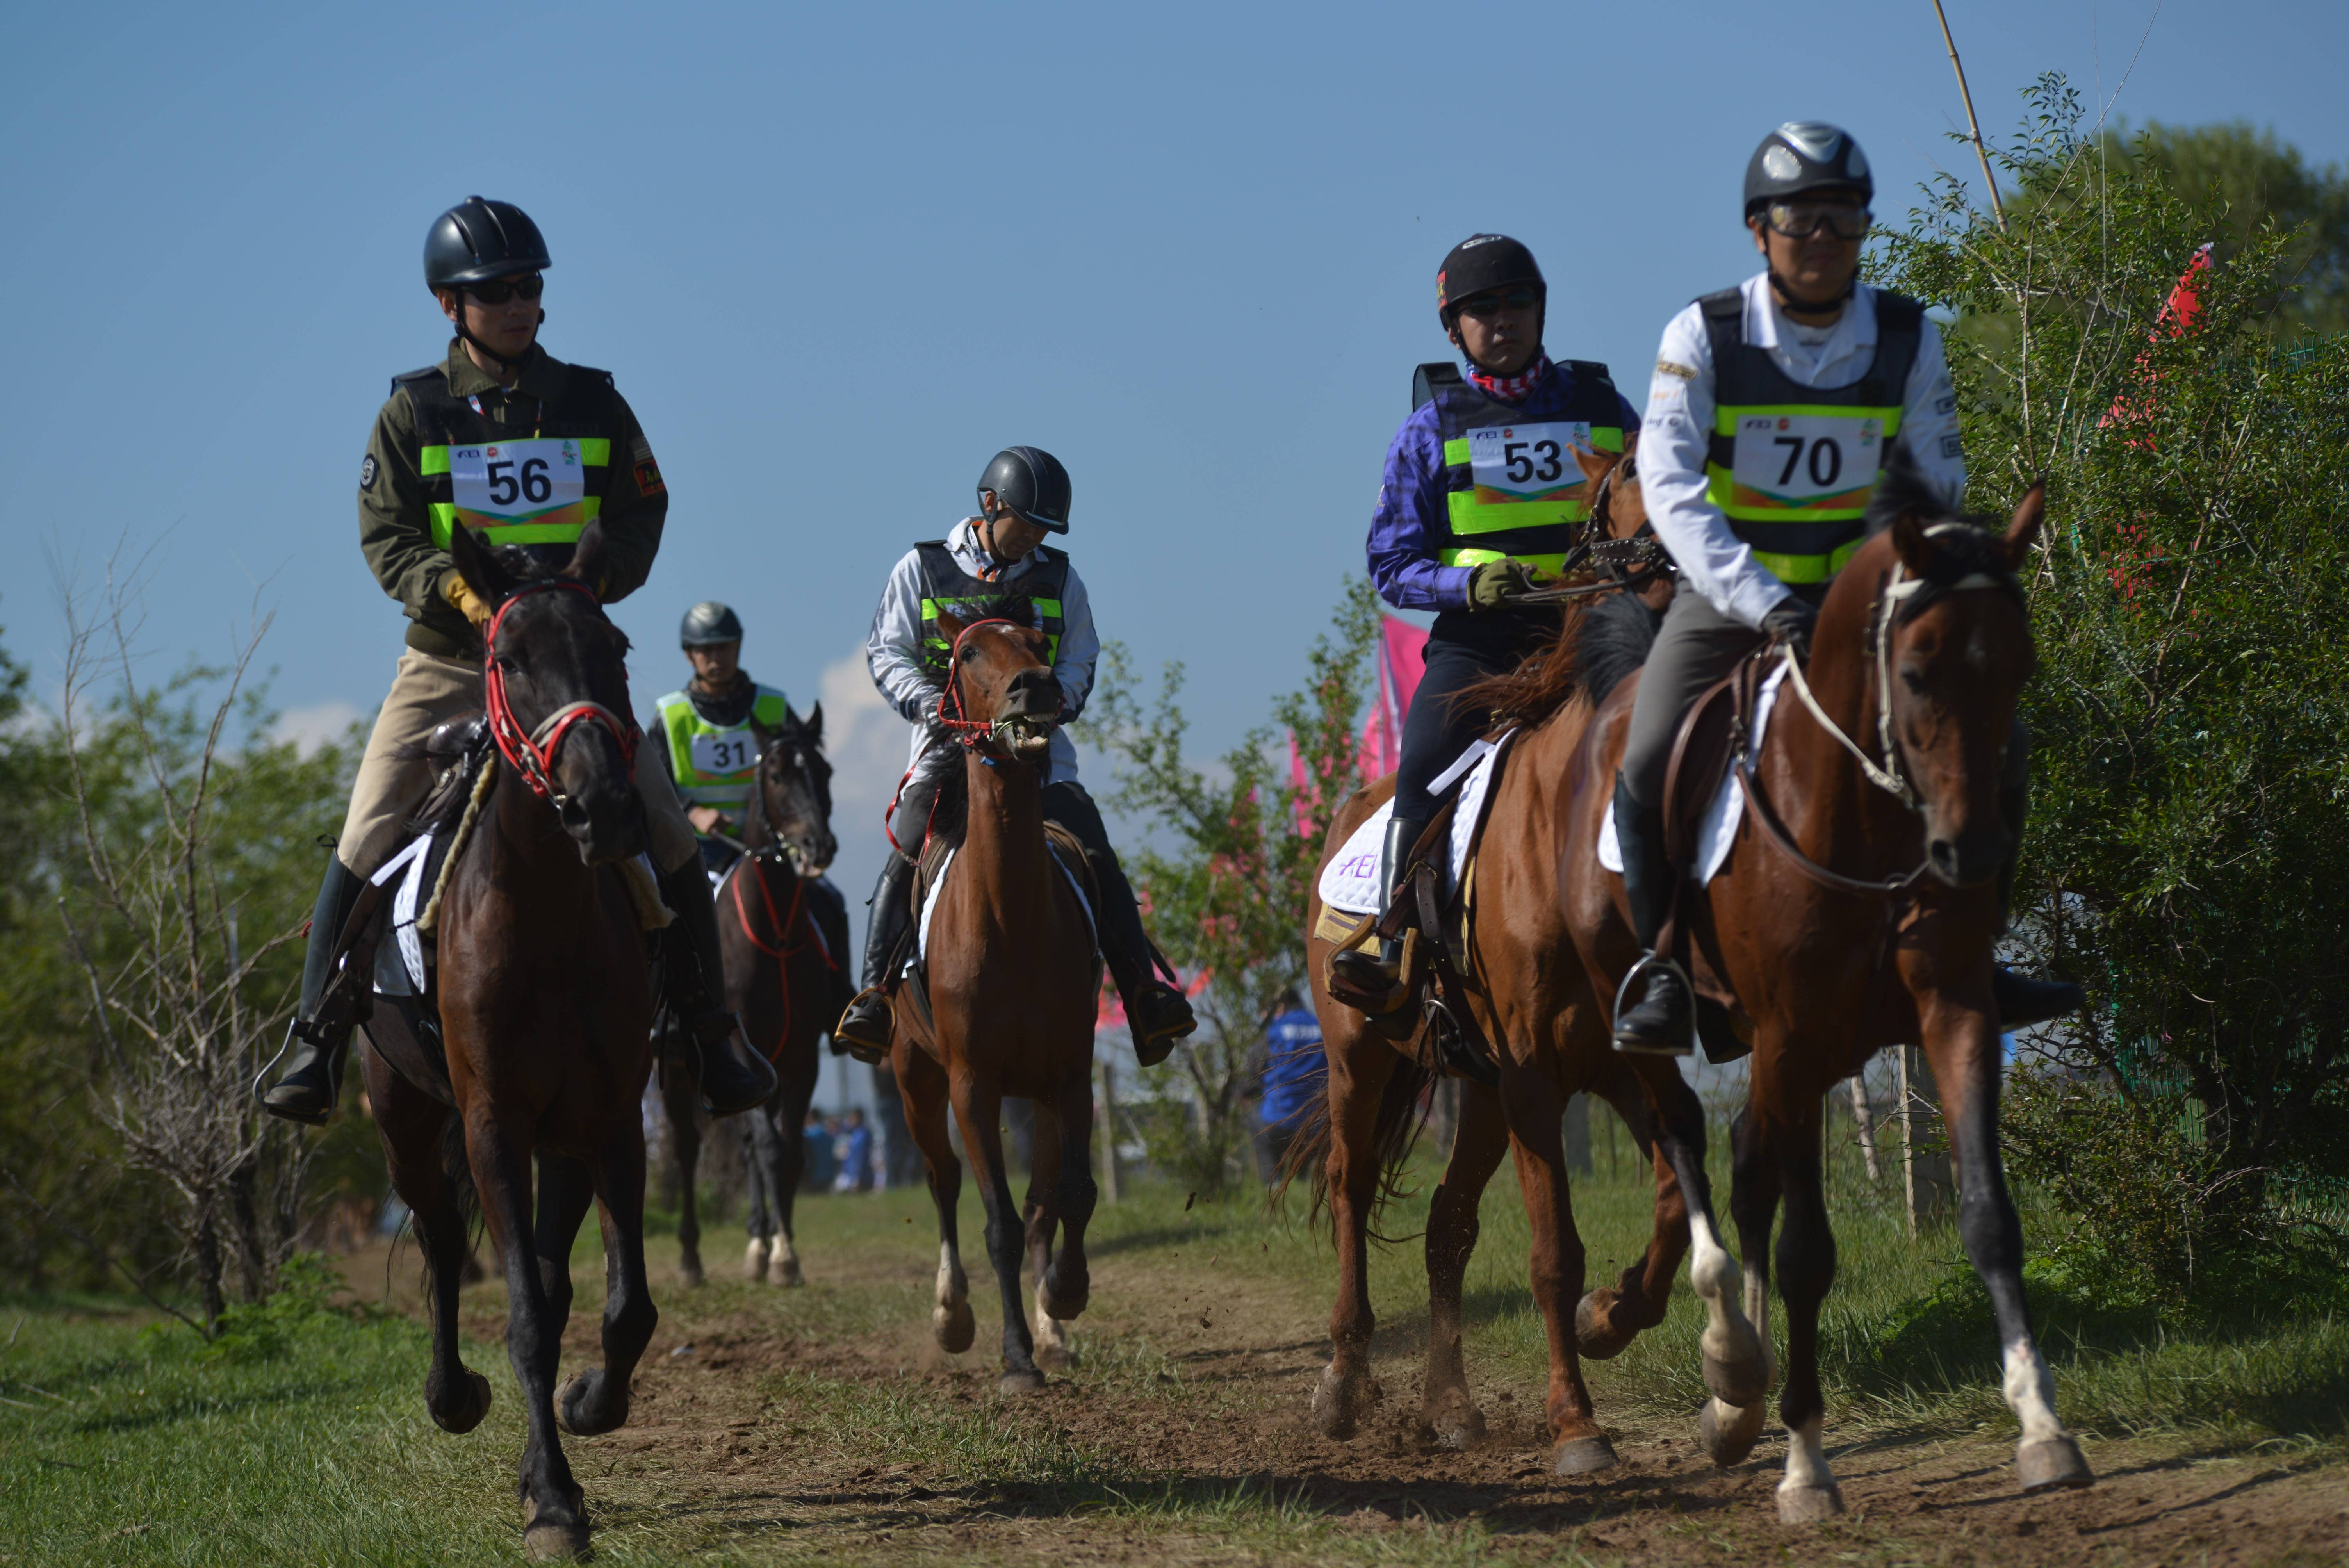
[
  {"x": 969, "y": 731},
  {"x": 784, "y": 926},
  {"x": 532, "y": 753}
]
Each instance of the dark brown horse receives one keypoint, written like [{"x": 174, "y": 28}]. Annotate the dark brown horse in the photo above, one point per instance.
[
  {"x": 546, "y": 1009},
  {"x": 1849, "y": 917},
  {"x": 781, "y": 981},
  {"x": 1011, "y": 979},
  {"x": 1528, "y": 995}
]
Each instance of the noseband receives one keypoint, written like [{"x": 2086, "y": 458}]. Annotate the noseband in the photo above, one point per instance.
[{"x": 532, "y": 753}]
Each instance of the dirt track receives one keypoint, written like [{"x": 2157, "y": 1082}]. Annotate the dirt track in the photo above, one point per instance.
[{"x": 720, "y": 1448}]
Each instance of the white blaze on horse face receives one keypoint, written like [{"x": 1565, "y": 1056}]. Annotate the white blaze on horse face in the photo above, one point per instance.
[{"x": 2029, "y": 1390}]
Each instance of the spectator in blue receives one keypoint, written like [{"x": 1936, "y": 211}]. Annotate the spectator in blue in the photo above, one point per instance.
[
  {"x": 1294, "y": 1079},
  {"x": 854, "y": 1149},
  {"x": 815, "y": 1140}
]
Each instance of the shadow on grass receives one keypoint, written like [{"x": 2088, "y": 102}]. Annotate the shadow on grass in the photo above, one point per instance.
[{"x": 168, "y": 1412}]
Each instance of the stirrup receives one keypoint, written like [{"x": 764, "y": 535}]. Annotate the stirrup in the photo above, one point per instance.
[
  {"x": 1671, "y": 966},
  {"x": 865, "y": 1051}
]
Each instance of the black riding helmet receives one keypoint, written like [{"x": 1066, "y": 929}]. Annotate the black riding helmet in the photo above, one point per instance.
[
  {"x": 707, "y": 624},
  {"x": 479, "y": 239},
  {"x": 1806, "y": 155},
  {"x": 1479, "y": 264},
  {"x": 1031, "y": 481}
]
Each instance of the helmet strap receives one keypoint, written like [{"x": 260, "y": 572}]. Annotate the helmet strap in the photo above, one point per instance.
[{"x": 507, "y": 366}]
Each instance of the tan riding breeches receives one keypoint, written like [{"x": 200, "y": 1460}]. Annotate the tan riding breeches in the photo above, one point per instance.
[{"x": 427, "y": 692}]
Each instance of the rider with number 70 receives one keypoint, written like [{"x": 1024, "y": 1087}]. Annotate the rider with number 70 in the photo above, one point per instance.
[{"x": 1775, "y": 404}]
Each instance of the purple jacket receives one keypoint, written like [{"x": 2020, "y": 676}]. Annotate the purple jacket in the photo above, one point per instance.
[{"x": 1409, "y": 524}]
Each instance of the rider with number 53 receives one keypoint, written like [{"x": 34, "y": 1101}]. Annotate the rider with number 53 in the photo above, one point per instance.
[
  {"x": 1773, "y": 406},
  {"x": 505, "y": 439}
]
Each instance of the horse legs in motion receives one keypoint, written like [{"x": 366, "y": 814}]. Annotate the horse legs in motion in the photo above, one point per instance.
[
  {"x": 426, "y": 1158},
  {"x": 924, "y": 1085},
  {"x": 774, "y": 1144},
  {"x": 680, "y": 1087}
]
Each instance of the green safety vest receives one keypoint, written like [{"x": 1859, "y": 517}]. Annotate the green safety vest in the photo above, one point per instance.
[
  {"x": 1513, "y": 491},
  {"x": 1793, "y": 467},
  {"x": 716, "y": 764},
  {"x": 512, "y": 488},
  {"x": 946, "y": 587}
]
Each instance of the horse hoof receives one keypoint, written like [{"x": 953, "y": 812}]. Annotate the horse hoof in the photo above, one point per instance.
[
  {"x": 574, "y": 1407},
  {"x": 551, "y": 1541},
  {"x": 1454, "y": 1421},
  {"x": 785, "y": 1274},
  {"x": 463, "y": 1413},
  {"x": 954, "y": 1327},
  {"x": 1064, "y": 1305},
  {"x": 1741, "y": 1381},
  {"x": 689, "y": 1273},
  {"x": 1339, "y": 1402},
  {"x": 1019, "y": 1382},
  {"x": 1592, "y": 1337},
  {"x": 754, "y": 1262},
  {"x": 2050, "y": 1463},
  {"x": 1809, "y": 1504},
  {"x": 1583, "y": 1456},
  {"x": 1730, "y": 1431},
  {"x": 1052, "y": 1357}
]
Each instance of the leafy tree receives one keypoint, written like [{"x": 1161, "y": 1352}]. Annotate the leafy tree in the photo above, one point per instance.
[
  {"x": 1231, "y": 858},
  {"x": 2191, "y": 604}
]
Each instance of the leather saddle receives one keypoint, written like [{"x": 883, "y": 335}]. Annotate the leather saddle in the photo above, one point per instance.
[{"x": 1064, "y": 846}]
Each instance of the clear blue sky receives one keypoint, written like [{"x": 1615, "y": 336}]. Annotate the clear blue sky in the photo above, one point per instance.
[{"x": 838, "y": 256}]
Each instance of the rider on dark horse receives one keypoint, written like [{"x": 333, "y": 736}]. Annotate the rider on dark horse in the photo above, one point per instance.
[
  {"x": 709, "y": 731},
  {"x": 1481, "y": 499},
  {"x": 502, "y": 438},
  {"x": 1774, "y": 406},
  {"x": 1001, "y": 554}
]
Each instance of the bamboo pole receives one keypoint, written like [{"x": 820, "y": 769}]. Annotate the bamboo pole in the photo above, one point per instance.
[{"x": 1973, "y": 124}]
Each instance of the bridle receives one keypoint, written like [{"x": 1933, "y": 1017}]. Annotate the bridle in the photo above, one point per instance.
[
  {"x": 532, "y": 753},
  {"x": 778, "y": 850},
  {"x": 1901, "y": 597},
  {"x": 1623, "y": 563},
  {"x": 972, "y": 733}
]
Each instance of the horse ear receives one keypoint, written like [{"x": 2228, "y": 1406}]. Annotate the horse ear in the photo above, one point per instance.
[
  {"x": 760, "y": 733},
  {"x": 1916, "y": 550},
  {"x": 813, "y": 724},
  {"x": 478, "y": 565},
  {"x": 2024, "y": 532},
  {"x": 950, "y": 626},
  {"x": 587, "y": 557},
  {"x": 1594, "y": 464}
]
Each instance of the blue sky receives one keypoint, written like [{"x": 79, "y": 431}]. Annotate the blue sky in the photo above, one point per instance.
[{"x": 837, "y": 256}]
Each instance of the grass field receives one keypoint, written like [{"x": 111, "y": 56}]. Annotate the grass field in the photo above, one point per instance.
[{"x": 777, "y": 1426}]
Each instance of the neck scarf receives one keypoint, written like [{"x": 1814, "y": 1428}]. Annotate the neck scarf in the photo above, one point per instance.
[{"x": 1510, "y": 389}]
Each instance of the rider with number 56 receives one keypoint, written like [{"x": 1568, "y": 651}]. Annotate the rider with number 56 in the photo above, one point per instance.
[
  {"x": 501, "y": 438},
  {"x": 1774, "y": 406}
]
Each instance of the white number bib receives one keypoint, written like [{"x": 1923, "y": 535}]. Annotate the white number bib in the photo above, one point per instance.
[
  {"x": 1527, "y": 462},
  {"x": 1803, "y": 460},
  {"x": 729, "y": 751},
  {"x": 517, "y": 479}
]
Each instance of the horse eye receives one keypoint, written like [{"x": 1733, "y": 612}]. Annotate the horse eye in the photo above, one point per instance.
[{"x": 1913, "y": 678}]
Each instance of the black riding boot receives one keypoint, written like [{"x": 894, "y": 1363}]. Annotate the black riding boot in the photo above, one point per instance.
[
  {"x": 1660, "y": 1023},
  {"x": 830, "y": 911},
  {"x": 1371, "y": 970},
  {"x": 864, "y": 1029},
  {"x": 733, "y": 1077},
  {"x": 1157, "y": 1015},
  {"x": 312, "y": 1054},
  {"x": 2021, "y": 1000}
]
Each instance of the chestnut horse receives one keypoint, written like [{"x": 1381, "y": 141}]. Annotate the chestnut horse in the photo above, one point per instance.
[
  {"x": 546, "y": 1007},
  {"x": 782, "y": 982},
  {"x": 1529, "y": 995},
  {"x": 1847, "y": 918},
  {"x": 1011, "y": 978}
]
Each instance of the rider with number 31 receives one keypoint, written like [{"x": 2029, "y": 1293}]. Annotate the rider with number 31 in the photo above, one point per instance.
[
  {"x": 1775, "y": 404},
  {"x": 1481, "y": 499},
  {"x": 504, "y": 439}
]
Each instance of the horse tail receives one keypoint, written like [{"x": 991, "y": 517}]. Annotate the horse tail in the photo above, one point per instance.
[
  {"x": 1402, "y": 1111},
  {"x": 1612, "y": 641},
  {"x": 457, "y": 1169}
]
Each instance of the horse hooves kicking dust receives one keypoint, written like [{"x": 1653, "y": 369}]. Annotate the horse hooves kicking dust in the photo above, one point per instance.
[
  {"x": 554, "y": 1542},
  {"x": 585, "y": 1407},
  {"x": 1593, "y": 1336},
  {"x": 1454, "y": 1421},
  {"x": 2052, "y": 1463},
  {"x": 954, "y": 1327},
  {"x": 1583, "y": 1456},
  {"x": 1809, "y": 1504},
  {"x": 1341, "y": 1400},
  {"x": 1730, "y": 1431},
  {"x": 1020, "y": 1381}
]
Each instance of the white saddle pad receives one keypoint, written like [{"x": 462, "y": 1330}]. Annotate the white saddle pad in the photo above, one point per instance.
[
  {"x": 400, "y": 963},
  {"x": 930, "y": 903},
  {"x": 1728, "y": 808},
  {"x": 1350, "y": 881}
]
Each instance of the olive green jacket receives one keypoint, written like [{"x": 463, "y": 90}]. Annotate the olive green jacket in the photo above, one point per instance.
[{"x": 396, "y": 525}]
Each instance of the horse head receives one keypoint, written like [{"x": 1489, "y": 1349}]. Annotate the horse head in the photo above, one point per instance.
[
  {"x": 556, "y": 680},
  {"x": 793, "y": 794},
  {"x": 1936, "y": 608},
  {"x": 1000, "y": 691}
]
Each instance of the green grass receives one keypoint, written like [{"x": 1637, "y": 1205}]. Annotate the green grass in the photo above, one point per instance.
[{"x": 124, "y": 1441}]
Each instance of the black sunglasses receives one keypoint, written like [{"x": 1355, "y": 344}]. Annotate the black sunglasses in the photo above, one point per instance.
[
  {"x": 1498, "y": 300},
  {"x": 530, "y": 287}
]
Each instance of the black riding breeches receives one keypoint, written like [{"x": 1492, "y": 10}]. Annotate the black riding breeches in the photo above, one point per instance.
[{"x": 1437, "y": 729}]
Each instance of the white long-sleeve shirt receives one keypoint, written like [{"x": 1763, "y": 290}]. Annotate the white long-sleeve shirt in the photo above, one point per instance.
[
  {"x": 892, "y": 649},
  {"x": 1676, "y": 430}
]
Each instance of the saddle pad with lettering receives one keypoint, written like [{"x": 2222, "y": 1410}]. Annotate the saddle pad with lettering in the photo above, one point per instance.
[
  {"x": 1721, "y": 817},
  {"x": 1350, "y": 881}
]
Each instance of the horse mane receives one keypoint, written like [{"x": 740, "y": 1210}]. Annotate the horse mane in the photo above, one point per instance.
[
  {"x": 1965, "y": 544},
  {"x": 1596, "y": 645}
]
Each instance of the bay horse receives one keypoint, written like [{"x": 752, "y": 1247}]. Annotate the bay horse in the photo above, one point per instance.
[
  {"x": 545, "y": 999},
  {"x": 1011, "y": 976},
  {"x": 1529, "y": 995},
  {"x": 1857, "y": 908},
  {"x": 781, "y": 981}
]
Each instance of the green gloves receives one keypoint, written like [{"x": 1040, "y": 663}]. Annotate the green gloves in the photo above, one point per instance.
[{"x": 1489, "y": 585}]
